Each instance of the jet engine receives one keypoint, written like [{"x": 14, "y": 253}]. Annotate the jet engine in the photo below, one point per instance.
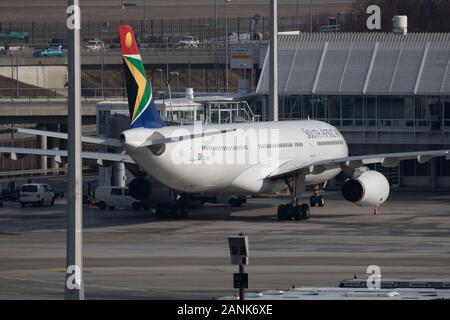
[
  {"x": 140, "y": 189},
  {"x": 369, "y": 189}
]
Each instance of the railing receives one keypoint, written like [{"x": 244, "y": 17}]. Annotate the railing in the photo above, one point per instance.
[
  {"x": 57, "y": 94},
  {"x": 249, "y": 113},
  {"x": 155, "y": 30},
  {"x": 36, "y": 172},
  {"x": 10, "y": 57},
  {"x": 60, "y": 94}
]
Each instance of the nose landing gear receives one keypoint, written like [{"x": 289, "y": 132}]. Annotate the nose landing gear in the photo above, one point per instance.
[{"x": 317, "y": 198}]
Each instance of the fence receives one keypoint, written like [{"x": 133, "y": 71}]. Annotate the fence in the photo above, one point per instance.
[{"x": 157, "y": 31}]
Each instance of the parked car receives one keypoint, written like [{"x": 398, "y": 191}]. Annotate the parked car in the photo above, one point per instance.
[
  {"x": 36, "y": 194},
  {"x": 188, "y": 42},
  {"x": 55, "y": 51},
  {"x": 115, "y": 197},
  {"x": 58, "y": 42},
  {"x": 94, "y": 45}
]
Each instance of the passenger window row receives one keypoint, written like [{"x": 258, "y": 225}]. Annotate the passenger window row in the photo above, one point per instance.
[
  {"x": 224, "y": 148},
  {"x": 330, "y": 143},
  {"x": 275, "y": 145}
]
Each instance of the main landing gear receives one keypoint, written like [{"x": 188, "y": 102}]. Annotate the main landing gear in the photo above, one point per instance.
[
  {"x": 294, "y": 210},
  {"x": 175, "y": 210}
]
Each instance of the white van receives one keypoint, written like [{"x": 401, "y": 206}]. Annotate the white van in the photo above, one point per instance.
[
  {"x": 112, "y": 197},
  {"x": 36, "y": 194}
]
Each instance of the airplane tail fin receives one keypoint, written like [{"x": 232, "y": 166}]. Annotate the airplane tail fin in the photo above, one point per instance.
[{"x": 143, "y": 112}]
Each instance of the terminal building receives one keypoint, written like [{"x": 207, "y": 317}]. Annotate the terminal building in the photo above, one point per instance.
[{"x": 385, "y": 92}]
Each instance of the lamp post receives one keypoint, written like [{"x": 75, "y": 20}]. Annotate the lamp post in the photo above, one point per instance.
[
  {"x": 167, "y": 57},
  {"x": 177, "y": 74},
  {"x": 273, "y": 65},
  {"x": 144, "y": 38},
  {"x": 216, "y": 20},
  {"x": 161, "y": 77},
  {"x": 310, "y": 17},
  {"x": 74, "y": 286},
  {"x": 226, "y": 43}
]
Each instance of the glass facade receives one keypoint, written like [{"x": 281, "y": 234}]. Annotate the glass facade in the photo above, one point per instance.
[
  {"x": 428, "y": 116},
  {"x": 399, "y": 113}
]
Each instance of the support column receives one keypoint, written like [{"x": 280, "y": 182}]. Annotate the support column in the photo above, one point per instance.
[
  {"x": 42, "y": 142},
  {"x": 119, "y": 174},
  {"x": 433, "y": 173},
  {"x": 54, "y": 145}
]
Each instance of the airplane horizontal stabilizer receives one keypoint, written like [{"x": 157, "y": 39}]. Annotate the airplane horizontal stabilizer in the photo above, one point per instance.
[{"x": 158, "y": 141}]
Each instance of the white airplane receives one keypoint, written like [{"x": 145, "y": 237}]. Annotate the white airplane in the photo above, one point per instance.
[{"x": 245, "y": 158}]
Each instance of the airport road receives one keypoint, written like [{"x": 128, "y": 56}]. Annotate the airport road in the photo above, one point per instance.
[{"x": 130, "y": 255}]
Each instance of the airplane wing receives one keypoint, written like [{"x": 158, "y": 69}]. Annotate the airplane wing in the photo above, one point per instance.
[
  {"x": 99, "y": 156},
  {"x": 64, "y": 136},
  {"x": 389, "y": 160}
]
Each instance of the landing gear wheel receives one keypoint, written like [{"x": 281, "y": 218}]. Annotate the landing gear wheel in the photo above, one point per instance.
[
  {"x": 41, "y": 203},
  {"x": 313, "y": 201},
  {"x": 182, "y": 211},
  {"x": 297, "y": 213},
  {"x": 160, "y": 212},
  {"x": 283, "y": 213},
  {"x": 321, "y": 201},
  {"x": 306, "y": 212},
  {"x": 235, "y": 203},
  {"x": 136, "y": 206}
]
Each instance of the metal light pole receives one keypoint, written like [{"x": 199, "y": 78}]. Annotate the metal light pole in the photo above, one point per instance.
[
  {"x": 144, "y": 40},
  {"x": 103, "y": 71},
  {"x": 298, "y": 16},
  {"x": 216, "y": 19},
  {"x": 177, "y": 74},
  {"x": 17, "y": 73},
  {"x": 226, "y": 44},
  {"x": 167, "y": 58},
  {"x": 74, "y": 288},
  {"x": 273, "y": 73},
  {"x": 310, "y": 17},
  {"x": 161, "y": 78}
]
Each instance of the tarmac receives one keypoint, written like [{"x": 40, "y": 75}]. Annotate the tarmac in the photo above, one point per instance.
[{"x": 131, "y": 255}]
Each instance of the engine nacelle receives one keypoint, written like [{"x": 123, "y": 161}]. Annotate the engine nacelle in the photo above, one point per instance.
[
  {"x": 368, "y": 190},
  {"x": 140, "y": 189}
]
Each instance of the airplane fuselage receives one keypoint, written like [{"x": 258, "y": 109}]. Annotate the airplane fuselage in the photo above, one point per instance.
[{"x": 237, "y": 161}]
